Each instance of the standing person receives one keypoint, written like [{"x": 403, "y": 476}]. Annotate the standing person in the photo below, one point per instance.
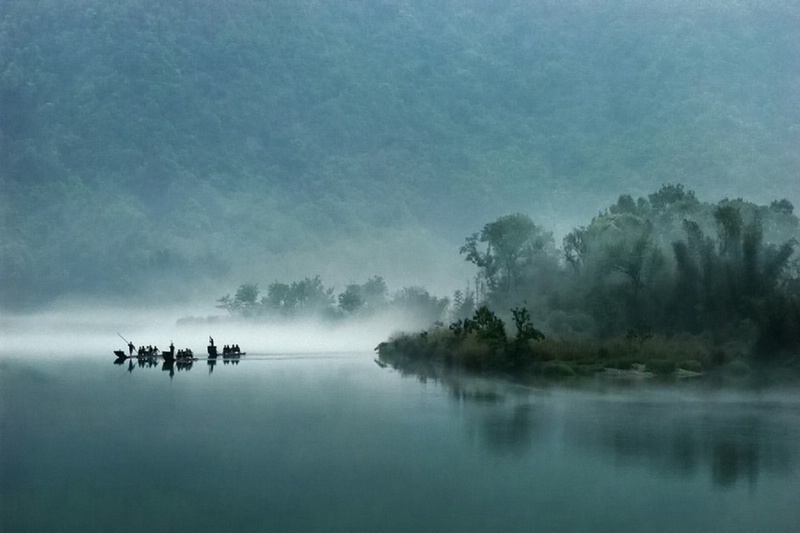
[{"x": 131, "y": 348}]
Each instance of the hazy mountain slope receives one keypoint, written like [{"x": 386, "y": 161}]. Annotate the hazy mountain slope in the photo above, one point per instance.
[{"x": 148, "y": 144}]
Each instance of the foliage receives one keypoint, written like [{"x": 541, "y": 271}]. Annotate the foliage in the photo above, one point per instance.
[
  {"x": 515, "y": 249},
  {"x": 153, "y": 149},
  {"x": 659, "y": 291},
  {"x": 462, "y": 305},
  {"x": 244, "y": 302},
  {"x": 310, "y": 297},
  {"x": 525, "y": 328},
  {"x": 305, "y": 297},
  {"x": 418, "y": 302},
  {"x": 368, "y": 297}
]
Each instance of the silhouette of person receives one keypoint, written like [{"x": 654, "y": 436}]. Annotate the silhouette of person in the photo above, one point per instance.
[{"x": 131, "y": 348}]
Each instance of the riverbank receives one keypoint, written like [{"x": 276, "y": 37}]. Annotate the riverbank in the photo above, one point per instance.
[{"x": 635, "y": 356}]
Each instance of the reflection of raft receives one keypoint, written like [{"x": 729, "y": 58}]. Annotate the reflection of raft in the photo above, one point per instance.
[
  {"x": 181, "y": 355},
  {"x": 119, "y": 354}
]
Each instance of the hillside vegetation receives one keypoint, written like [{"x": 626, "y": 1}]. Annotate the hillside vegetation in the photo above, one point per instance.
[{"x": 153, "y": 149}]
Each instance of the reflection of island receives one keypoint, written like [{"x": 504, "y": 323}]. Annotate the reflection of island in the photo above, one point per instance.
[
  {"x": 733, "y": 442},
  {"x": 671, "y": 432},
  {"x": 504, "y": 419}
]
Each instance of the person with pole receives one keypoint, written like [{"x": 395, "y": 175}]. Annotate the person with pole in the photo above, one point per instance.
[{"x": 131, "y": 347}]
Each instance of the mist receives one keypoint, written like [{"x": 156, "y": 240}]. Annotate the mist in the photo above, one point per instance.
[
  {"x": 94, "y": 331},
  {"x": 160, "y": 154}
]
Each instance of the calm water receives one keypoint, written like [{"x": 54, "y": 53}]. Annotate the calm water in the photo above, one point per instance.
[{"x": 336, "y": 443}]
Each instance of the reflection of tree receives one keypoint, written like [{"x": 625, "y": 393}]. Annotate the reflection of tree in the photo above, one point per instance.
[
  {"x": 729, "y": 442},
  {"x": 509, "y": 430},
  {"x": 732, "y": 459},
  {"x": 504, "y": 427},
  {"x": 731, "y": 448},
  {"x": 683, "y": 452}
]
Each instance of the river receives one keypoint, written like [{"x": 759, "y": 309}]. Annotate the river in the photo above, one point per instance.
[{"x": 335, "y": 442}]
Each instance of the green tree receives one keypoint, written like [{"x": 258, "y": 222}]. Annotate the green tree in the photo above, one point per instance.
[
  {"x": 729, "y": 229},
  {"x": 524, "y": 325},
  {"x": 487, "y": 326},
  {"x": 504, "y": 252},
  {"x": 245, "y": 301},
  {"x": 305, "y": 297},
  {"x": 350, "y": 301},
  {"x": 417, "y": 302},
  {"x": 368, "y": 297},
  {"x": 574, "y": 247}
]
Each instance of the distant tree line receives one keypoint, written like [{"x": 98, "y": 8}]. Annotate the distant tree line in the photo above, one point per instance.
[{"x": 310, "y": 298}]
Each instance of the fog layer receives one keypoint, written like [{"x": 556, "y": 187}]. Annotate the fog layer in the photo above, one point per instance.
[{"x": 72, "y": 331}]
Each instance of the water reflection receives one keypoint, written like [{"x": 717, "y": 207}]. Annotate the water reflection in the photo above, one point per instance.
[
  {"x": 727, "y": 442},
  {"x": 319, "y": 443},
  {"x": 727, "y": 438},
  {"x": 180, "y": 362},
  {"x": 511, "y": 431}
]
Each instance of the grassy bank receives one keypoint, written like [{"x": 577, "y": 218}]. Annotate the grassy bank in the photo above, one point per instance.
[{"x": 484, "y": 349}]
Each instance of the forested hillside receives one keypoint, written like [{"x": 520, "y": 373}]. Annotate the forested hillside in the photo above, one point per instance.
[{"x": 164, "y": 147}]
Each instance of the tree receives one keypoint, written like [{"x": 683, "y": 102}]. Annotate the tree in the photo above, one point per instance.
[
  {"x": 623, "y": 261},
  {"x": 374, "y": 293},
  {"x": 487, "y": 325},
  {"x": 463, "y": 304},
  {"x": 350, "y": 301},
  {"x": 368, "y": 297},
  {"x": 420, "y": 304},
  {"x": 574, "y": 247},
  {"x": 670, "y": 195},
  {"x": 244, "y": 303},
  {"x": 729, "y": 229},
  {"x": 305, "y": 297},
  {"x": 525, "y": 328},
  {"x": 783, "y": 206},
  {"x": 512, "y": 243}
]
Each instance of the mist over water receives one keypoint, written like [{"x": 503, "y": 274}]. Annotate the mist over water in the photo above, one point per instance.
[{"x": 96, "y": 332}]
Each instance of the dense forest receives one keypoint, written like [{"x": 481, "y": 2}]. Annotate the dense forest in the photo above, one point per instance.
[
  {"x": 156, "y": 151},
  {"x": 665, "y": 278}
]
